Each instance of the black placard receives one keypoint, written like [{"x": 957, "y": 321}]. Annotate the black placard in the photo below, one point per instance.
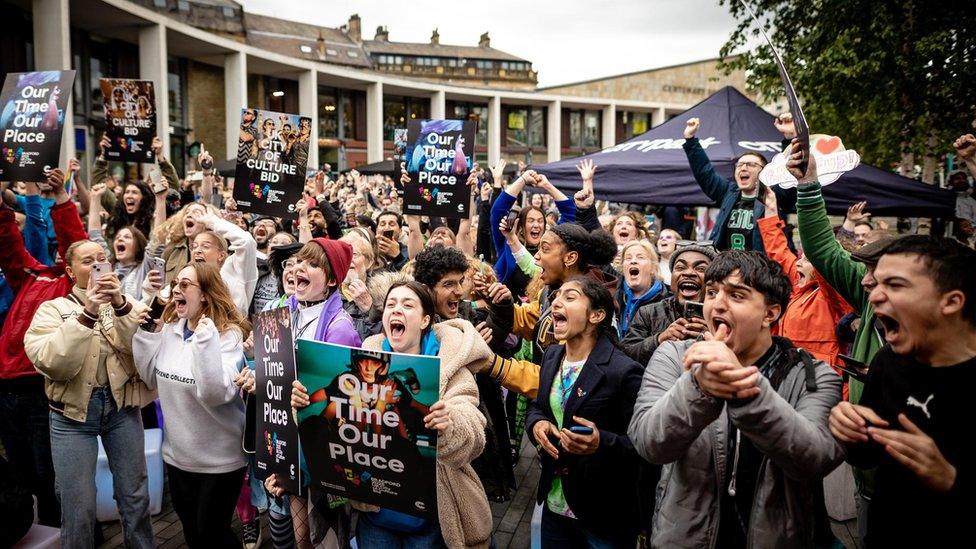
[
  {"x": 272, "y": 155},
  {"x": 31, "y": 122},
  {"x": 130, "y": 119},
  {"x": 439, "y": 157}
]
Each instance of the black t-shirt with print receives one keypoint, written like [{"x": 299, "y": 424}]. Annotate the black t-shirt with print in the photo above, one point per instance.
[
  {"x": 904, "y": 511},
  {"x": 739, "y": 225}
]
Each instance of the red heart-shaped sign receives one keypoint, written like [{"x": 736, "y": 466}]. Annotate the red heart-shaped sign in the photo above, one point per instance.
[{"x": 828, "y": 145}]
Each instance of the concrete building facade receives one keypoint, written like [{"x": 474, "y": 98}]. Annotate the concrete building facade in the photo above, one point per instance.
[{"x": 204, "y": 76}]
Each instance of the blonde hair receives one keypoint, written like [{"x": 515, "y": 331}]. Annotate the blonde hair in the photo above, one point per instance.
[
  {"x": 639, "y": 222},
  {"x": 171, "y": 230},
  {"x": 362, "y": 245},
  {"x": 648, "y": 247}
]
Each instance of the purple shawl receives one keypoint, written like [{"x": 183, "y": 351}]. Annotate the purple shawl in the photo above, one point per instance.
[{"x": 335, "y": 324}]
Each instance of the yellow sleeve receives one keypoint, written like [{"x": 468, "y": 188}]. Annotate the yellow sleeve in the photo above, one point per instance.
[
  {"x": 525, "y": 317},
  {"x": 521, "y": 376}
]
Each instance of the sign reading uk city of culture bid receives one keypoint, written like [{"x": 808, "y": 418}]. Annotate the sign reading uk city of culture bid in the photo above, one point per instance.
[
  {"x": 31, "y": 120},
  {"x": 272, "y": 155},
  {"x": 130, "y": 119}
]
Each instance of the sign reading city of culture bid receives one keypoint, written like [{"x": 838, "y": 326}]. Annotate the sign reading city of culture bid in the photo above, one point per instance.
[
  {"x": 439, "y": 156},
  {"x": 363, "y": 432},
  {"x": 31, "y": 120},
  {"x": 272, "y": 155},
  {"x": 276, "y": 446},
  {"x": 130, "y": 119}
]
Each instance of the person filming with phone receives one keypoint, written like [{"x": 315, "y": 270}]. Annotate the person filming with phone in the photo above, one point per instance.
[
  {"x": 678, "y": 316},
  {"x": 578, "y": 422},
  {"x": 82, "y": 344}
]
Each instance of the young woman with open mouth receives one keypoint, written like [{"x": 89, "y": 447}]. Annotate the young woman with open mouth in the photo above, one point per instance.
[
  {"x": 128, "y": 249},
  {"x": 579, "y": 423},
  {"x": 565, "y": 251},
  {"x": 192, "y": 359},
  {"x": 667, "y": 241},
  {"x": 231, "y": 249},
  {"x": 318, "y": 315},
  {"x": 530, "y": 227},
  {"x": 172, "y": 236},
  {"x": 462, "y": 506},
  {"x": 640, "y": 287}
]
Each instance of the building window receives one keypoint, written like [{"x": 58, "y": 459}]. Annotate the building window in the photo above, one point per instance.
[
  {"x": 591, "y": 129},
  {"x": 639, "y": 123},
  {"x": 161, "y": 4},
  {"x": 517, "y": 128},
  {"x": 575, "y": 129},
  {"x": 352, "y": 53},
  {"x": 331, "y": 52},
  {"x": 537, "y": 127},
  {"x": 394, "y": 115},
  {"x": 328, "y": 112},
  {"x": 228, "y": 12},
  {"x": 183, "y": 5}
]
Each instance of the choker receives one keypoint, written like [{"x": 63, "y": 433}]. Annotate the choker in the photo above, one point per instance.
[{"x": 307, "y": 304}]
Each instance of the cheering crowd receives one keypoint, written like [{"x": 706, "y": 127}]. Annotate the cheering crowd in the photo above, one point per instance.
[{"x": 680, "y": 391}]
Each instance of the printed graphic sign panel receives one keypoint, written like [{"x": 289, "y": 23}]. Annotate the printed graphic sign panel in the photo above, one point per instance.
[{"x": 31, "y": 121}]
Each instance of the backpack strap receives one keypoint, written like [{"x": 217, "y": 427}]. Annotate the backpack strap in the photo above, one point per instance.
[{"x": 809, "y": 368}]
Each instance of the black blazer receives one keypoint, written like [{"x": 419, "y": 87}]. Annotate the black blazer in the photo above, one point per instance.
[{"x": 601, "y": 488}]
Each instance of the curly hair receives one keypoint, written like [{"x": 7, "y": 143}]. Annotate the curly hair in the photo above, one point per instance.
[
  {"x": 434, "y": 262},
  {"x": 142, "y": 219},
  {"x": 594, "y": 248},
  {"x": 171, "y": 230},
  {"x": 640, "y": 222}
]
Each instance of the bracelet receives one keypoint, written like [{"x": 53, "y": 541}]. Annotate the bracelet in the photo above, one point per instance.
[{"x": 122, "y": 306}]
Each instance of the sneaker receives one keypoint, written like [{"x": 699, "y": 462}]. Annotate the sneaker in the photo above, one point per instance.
[{"x": 251, "y": 532}]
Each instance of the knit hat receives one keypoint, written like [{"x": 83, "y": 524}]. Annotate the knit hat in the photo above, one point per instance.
[
  {"x": 706, "y": 250},
  {"x": 339, "y": 254},
  {"x": 869, "y": 254}
]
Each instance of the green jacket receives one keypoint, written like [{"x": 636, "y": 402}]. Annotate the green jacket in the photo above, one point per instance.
[{"x": 844, "y": 274}]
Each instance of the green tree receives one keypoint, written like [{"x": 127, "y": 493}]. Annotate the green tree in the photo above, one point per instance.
[{"x": 895, "y": 79}]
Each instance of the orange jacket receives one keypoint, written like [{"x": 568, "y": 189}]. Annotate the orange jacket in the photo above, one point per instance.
[{"x": 815, "y": 309}]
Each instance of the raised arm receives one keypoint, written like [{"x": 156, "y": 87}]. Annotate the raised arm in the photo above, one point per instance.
[
  {"x": 207, "y": 187},
  {"x": 966, "y": 149},
  {"x": 464, "y": 242},
  {"x": 64, "y": 215},
  {"x": 35, "y": 227},
  {"x": 81, "y": 188},
  {"x": 712, "y": 184},
  {"x": 774, "y": 240}
]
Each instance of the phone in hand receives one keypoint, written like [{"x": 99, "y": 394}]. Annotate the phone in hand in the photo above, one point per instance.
[
  {"x": 206, "y": 163},
  {"x": 388, "y": 234},
  {"x": 694, "y": 309},
  {"x": 581, "y": 430},
  {"x": 156, "y": 181},
  {"x": 854, "y": 368},
  {"x": 511, "y": 218},
  {"x": 159, "y": 264},
  {"x": 99, "y": 269}
]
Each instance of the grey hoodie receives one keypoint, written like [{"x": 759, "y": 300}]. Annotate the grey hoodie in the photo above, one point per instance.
[{"x": 676, "y": 425}]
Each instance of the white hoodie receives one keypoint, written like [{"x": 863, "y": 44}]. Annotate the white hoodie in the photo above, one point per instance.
[
  {"x": 202, "y": 408},
  {"x": 240, "y": 269}
]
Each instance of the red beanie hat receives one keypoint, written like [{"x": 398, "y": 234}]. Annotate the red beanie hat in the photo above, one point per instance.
[{"x": 339, "y": 254}]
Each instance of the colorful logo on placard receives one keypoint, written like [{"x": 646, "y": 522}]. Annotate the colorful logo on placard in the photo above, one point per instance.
[{"x": 260, "y": 192}]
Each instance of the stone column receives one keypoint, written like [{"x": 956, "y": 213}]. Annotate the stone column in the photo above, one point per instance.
[
  {"x": 308, "y": 105},
  {"x": 374, "y": 122},
  {"x": 438, "y": 105},
  {"x": 494, "y": 129},
  {"x": 153, "y": 66},
  {"x": 235, "y": 99},
  {"x": 554, "y": 118},
  {"x": 609, "y": 126},
  {"x": 52, "y": 51},
  {"x": 658, "y": 117}
]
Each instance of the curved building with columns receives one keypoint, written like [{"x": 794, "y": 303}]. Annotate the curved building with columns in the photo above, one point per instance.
[{"x": 208, "y": 59}]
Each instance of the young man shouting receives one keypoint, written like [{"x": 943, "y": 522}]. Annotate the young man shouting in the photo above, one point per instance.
[
  {"x": 913, "y": 420},
  {"x": 739, "y": 419}
]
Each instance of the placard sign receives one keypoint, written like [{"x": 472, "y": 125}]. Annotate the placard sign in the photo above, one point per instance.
[
  {"x": 439, "y": 157},
  {"x": 31, "y": 121},
  {"x": 130, "y": 119},
  {"x": 272, "y": 155}
]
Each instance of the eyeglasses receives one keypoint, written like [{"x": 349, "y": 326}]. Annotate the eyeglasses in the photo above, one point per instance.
[
  {"x": 289, "y": 263},
  {"x": 752, "y": 165},
  {"x": 183, "y": 284}
]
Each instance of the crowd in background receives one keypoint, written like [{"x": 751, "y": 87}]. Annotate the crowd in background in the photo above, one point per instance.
[{"x": 683, "y": 385}]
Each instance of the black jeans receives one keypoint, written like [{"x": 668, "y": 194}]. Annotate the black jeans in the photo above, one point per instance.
[
  {"x": 26, "y": 436},
  {"x": 205, "y": 504}
]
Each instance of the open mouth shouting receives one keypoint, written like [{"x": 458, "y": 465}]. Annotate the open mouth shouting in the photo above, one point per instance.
[
  {"x": 131, "y": 205},
  {"x": 633, "y": 275},
  {"x": 623, "y": 235},
  {"x": 302, "y": 284},
  {"x": 534, "y": 234},
  {"x": 559, "y": 325},
  {"x": 689, "y": 288},
  {"x": 120, "y": 249},
  {"x": 719, "y": 321},
  {"x": 892, "y": 328},
  {"x": 180, "y": 302},
  {"x": 189, "y": 224},
  {"x": 397, "y": 328},
  {"x": 452, "y": 308}
]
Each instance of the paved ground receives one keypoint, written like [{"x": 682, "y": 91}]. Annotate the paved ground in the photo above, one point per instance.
[{"x": 512, "y": 519}]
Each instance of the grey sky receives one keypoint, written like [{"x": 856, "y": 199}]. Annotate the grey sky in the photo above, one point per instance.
[{"x": 568, "y": 40}]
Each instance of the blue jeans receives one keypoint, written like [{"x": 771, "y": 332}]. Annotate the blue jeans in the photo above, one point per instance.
[
  {"x": 74, "y": 448},
  {"x": 371, "y": 536},
  {"x": 564, "y": 532}
]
